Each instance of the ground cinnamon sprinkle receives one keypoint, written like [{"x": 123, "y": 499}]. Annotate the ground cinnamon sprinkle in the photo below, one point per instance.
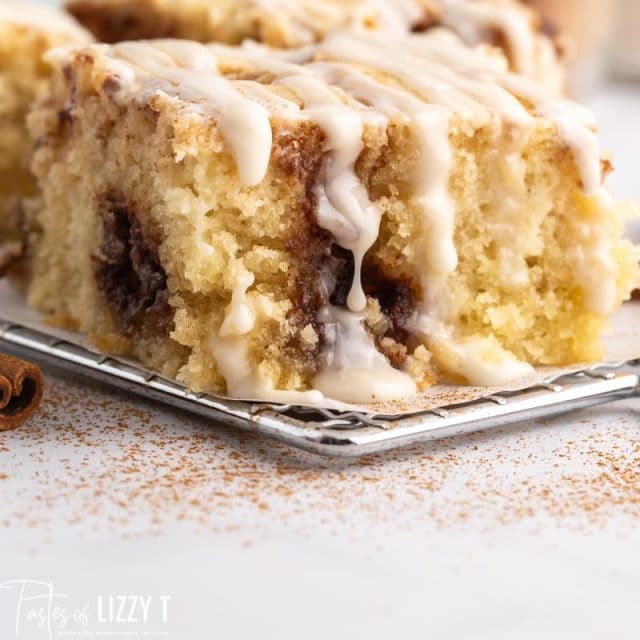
[{"x": 109, "y": 466}]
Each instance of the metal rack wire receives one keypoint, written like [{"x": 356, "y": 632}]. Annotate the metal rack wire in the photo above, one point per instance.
[{"x": 336, "y": 433}]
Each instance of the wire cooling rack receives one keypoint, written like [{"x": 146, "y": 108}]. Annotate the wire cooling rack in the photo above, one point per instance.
[{"x": 338, "y": 433}]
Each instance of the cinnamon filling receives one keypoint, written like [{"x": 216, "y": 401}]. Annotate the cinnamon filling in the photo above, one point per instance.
[
  {"x": 128, "y": 270},
  {"x": 325, "y": 270}
]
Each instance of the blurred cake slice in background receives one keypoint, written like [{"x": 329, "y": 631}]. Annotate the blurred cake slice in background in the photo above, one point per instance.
[
  {"x": 384, "y": 213},
  {"x": 587, "y": 29},
  {"x": 26, "y": 33},
  {"x": 508, "y": 24}
]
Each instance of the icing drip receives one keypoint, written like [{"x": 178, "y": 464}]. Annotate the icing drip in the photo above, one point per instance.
[
  {"x": 473, "y": 19},
  {"x": 192, "y": 72},
  {"x": 342, "y": 193},
  {"x": 303, "y": 22},
  {"x": 355, "y": 370},
  {"x": 584, "y": 145},
  {"x": 429, "y": 126},
  {"x": 398, "y": 16},
  {"x": 309, "y": 20},
  {"x": 482, "y": 362},
  {"x": 240, "y": 318},
  {"x": 230, "y": 348},
  {"x": 576, "y": 128},
  {"x": 344, "y": 208},
  {"x": 245, "y": 381}
]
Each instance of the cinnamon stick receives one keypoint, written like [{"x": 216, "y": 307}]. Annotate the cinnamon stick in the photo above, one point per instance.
[{"x": 21, "y": 386}]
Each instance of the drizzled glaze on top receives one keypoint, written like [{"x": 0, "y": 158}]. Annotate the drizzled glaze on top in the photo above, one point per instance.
[
  {"x": 504, "y": 22},
  {"x": 310, "y": 19},
  {"x": 295, "y": 23},
  {"x": 474, "y": 21},
  {"x": 342, "y": 87}
]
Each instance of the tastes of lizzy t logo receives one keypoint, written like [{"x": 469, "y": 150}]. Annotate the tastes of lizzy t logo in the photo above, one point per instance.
[{"x": 43, "y": 612}]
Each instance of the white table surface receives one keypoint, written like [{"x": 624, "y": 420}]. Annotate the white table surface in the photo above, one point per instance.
[{"x": 529, "y": 532}]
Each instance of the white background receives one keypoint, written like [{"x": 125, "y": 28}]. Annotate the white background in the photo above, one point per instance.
[{"x": 517, "y": 534}]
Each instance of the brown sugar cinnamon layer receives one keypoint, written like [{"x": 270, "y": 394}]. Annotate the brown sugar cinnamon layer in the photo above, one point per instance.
[
  {"x": 21, "y": 388},
  {"x": 128, "y": 270}
]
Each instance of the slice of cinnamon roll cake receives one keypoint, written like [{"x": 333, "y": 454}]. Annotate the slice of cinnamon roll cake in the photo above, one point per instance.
[
  {"x": 26, "y": 32},
  {"x": 532, "y": 48},
  {"x": 356, "y": 220}
]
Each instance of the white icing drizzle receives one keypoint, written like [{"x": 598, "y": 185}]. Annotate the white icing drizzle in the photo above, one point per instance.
[
  {"x": 397, "y": 16},
  {"x": 436, "y": 69},
  {"x": 307, "y": 20},
  {"x": 43, "y": 18},
  {"x": 240, "y": 318},
  {"x": 576, "y": 127},
  {"x": 192, "y": 73},
  {"x": 245, "y": 381},
  {"x": 585, "y": 147},
  {"x": 472, "y": 19},
  {"x": 355, "y": 371},
  {"x": 345, "y": 86},
  {"x": 482, "y": 362},
  {"x": 344, "y": 207},
  {"x": 303, "y": 22},
  {"x": 429, "y": 125}
]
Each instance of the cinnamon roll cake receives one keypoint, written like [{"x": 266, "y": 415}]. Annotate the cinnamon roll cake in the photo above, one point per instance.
[
  {"x": 26, "y": 32},
  {"x": 355, "y": 220}
]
